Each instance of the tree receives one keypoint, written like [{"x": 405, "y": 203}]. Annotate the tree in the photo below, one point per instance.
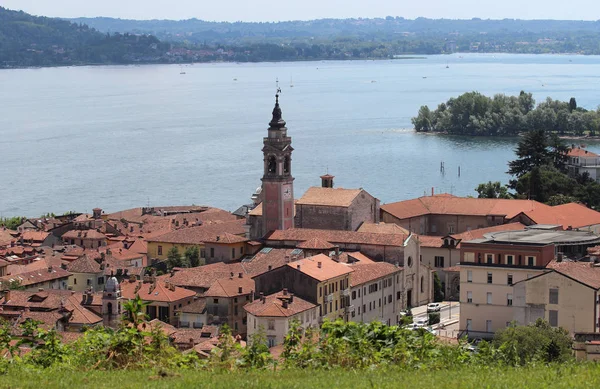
[
  {"x": 438, "y": 292},
  {"x": 134, "y": 311},
  {"x": 492, "y": 190},
  {"x": 192, "y": 256},
  {"x": 174, "y": 258},
  {"x": 572, "y": 104},
  {"x": 532, "y": 151},
  {"x": 424, "y": 119},
  {"x": 542, "y": 183}
]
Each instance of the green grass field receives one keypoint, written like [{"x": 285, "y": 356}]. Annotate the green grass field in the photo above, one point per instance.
[{"x": 568, "y": 376}]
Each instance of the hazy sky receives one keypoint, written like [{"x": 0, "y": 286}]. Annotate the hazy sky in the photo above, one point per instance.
[{"x": 272, "y": 10}]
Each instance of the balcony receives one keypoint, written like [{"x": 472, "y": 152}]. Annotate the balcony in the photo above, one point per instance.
[{"x": 346, "y": 292}]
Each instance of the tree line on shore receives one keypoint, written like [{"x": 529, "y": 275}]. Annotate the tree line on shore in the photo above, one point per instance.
[{"x": 475, "y": 114}]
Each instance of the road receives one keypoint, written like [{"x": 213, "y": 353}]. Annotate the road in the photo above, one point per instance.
[{"x": 449, "y": 312}]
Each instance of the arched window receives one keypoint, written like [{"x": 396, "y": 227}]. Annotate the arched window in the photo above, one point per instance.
[
  {"x": 272, "y": 165},
  {"x": 409, "y": 261},
  {"x": 286, "y": 165},
  {"x": 422, "y": 284},
  {"x": 110, "y": 311}
]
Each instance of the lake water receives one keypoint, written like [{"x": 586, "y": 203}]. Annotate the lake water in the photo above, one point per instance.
[{"x": 118, "y": 137}]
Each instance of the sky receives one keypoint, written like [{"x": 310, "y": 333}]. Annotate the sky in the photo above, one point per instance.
[{"x": 278, "y": 10}]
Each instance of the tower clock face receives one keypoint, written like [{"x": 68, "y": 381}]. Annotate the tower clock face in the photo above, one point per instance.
[{"x": 287, "y": 193}]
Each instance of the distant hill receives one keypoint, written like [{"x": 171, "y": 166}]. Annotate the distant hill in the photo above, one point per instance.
[
  {"x": 27, "y": 40},
  {"x": 388, "y": 28}
]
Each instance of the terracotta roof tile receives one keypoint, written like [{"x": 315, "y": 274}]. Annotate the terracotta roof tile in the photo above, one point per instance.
[
  {"x": 231, "y": 287},
  {"x": 198, "y": 306},
  {"x": 84, "y": 264},
  {"x": 370, "y": 272},
  {"x": 36, "y": 276},
  {"x": 202, "y": 277},
  {"x": 315, "y": 244},
  {"x": 333, "y": 197},
  {"x": 583, "y": 272},
  {"x": 580, "y": 152},
  {"x": 158, "y": 291},
  {"x": 338, "y": 237},
  {"x": 438, "y": 241},
  {"x": 79, "y": 314},
  {"x": 35, "y": 236},
  {"x": 273, "y": 306},
  {"x": 83, "y": 234},
  {"x": 320, "y": 267},
  {"x": 572, "y": 215},
  {"x": 183, "y": 335},
  {"x": 5, "y": 237},
  {"x": 208, "y": 233},
  {"x": 383, "y": 228},
  {"x": 354, "y": 257},
  {"x": 442, "y": 205},
  {"x": 269, "y": 258}
]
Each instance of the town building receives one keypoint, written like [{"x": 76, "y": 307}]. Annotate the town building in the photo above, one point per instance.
[
  {"x": 318, "y": 280},
  {"x": 273, "y": 314},
  {"x": 566, "y": 295},
  {"x": 376, "y": 293},
  {"x": 444, "y": 214},
  {"x": 332, "y": 208},
  {"x": 163, "y": 298},
  {"x": 48, "y": 278},
  {"x": 193, "y": 315},
  {"x": 88, "y": 239},
  {"x": 86, "y": 274},
  {"x": 582, "y": 161},
  {"x": 490, "y": 266},
  {"x": 225, "y": 300}
]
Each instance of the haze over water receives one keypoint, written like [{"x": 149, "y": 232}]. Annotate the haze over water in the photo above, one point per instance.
[{"x": 119, "y": 137}]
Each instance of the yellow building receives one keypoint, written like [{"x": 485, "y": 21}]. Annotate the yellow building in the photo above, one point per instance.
[{"x": 219, "y": 242}]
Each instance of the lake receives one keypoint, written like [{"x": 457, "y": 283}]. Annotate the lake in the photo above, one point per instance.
[{"x": 119, "y": 137}]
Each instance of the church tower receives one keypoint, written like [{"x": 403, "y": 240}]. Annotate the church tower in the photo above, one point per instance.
[
  {"x": 277, "y": 182},
  {"x": 111, "y": 302}
]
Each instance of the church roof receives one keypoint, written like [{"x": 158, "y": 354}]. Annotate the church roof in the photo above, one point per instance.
[{"x": 333, "y": 197}]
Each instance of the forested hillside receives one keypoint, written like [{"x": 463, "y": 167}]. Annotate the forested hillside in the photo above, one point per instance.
[{"x": 27, "y": 40}]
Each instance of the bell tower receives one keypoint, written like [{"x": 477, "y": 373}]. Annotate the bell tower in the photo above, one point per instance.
[{"x": 277, "y": 180}]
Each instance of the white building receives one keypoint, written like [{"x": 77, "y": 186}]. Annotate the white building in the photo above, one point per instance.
[
  {"x": 274, "y": 313},
  {"x": 584, "y": 161},
  {"x": 376, "y": 293}
]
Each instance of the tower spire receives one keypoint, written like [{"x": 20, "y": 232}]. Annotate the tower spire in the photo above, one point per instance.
[{"x": 277, "y": 122}]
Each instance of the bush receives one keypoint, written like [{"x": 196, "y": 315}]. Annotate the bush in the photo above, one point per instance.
[{"x": 434, "y": 318}]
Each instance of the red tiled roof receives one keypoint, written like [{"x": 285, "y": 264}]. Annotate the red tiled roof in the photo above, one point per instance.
[
  {"x": 370, "y": 272},
  {"x": 230, "y": 287},
  {"x": 383, "y": 228},
  {"x": 149, "y": 291},
  {"x": 443, "y": 205},
  {"x": 35, "y": 236},
  {"x": 198, "y": 306},
  {"x": 320, "y": 267},
  {"x": 84, "y": 264},
  {"x": 583, "y": 272},
  {"x": 438, "y": 241},
  {"x": 579, "y": 152},
  {"x": 184, "y": 335},
  {"x": 5, "y": 237},
  {"x": 572, "y": 215},
  {"x": 79, "y": 314},
  {"x": 83, "y": 234},
  {"x": 355, "y": 257},
  {"x": 269, "y": 257},
  {"x": 202, "y": 276},
  {"x": 36, "y": 276},
  {"x": 315, "y": 244},
  {"x": 337, "y": 237},
  {"x": 273, "y": 306},
  {"x": 332, "y": 197},
  {"x": 199, "y": 235}
]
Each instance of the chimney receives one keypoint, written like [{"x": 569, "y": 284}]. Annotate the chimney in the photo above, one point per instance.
[
  {"x": 131, "y": 229},
  {"x": 49, "y": 269},
  {"x": 298, "y": 266},
  {"x": 319, "y": 264},
  {"x": 231, "y": 275},
  {"x": 285, "y": 291},
  {"x": 7, "y": 295},
  {"x": 262, "y": 297},
  {"x": 287, "y": 259},
  {"x": 284, "y": 303},
  {"x": 192, "y": 342},
  {"x": 432, "y": 191},
  {"x": 240, "y": 290},
  {"x": 218, "y": 238},
  {"x": 291, "y": 299},
  {"x": 40, "y": 289},
  {"x": 270, "y": 267},
  {"x": 559, "y": 257},
  {"x": 240, "y": 275}
]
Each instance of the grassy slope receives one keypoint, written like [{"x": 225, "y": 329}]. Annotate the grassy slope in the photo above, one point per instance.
[{"x": 576, "y": 376}]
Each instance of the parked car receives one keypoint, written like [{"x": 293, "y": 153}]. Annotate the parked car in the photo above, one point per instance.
[
  {"x": 423, "y": 322},
  {"x": 434, "y": 307},
  {"x": 412, "y": 326}
]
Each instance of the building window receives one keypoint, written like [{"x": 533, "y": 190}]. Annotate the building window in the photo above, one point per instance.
[
  {"x": 353, "y": 295},
  {"x": 100, "y": 280},
  {"x": 530, "y": 261},
  {"x": 353, "y": 313},
  {"x": 553, "y": 296},
  {"x": 235, "y": 310},
  {"x": 336, "y": 305},
  {"x": 451, "y": 228},
  {"x": 159, "y": 250},
  {"x": 390, "y": 298},
  {"x": 359, "y": 309},
  {"x": 509, "y": 299},
  {"x": 469, "y": 324},
  {"x": 410, "y": 261},
  {"x": 74, "y": 281},
  {"x": 510, "y": 260},
  {"x": 509, "y": 279},
  {"x": 553, "y": 318},
  {"x": 203, "y": 253},
  {"x": 489, "y": 297},
  {"x": 469, "y": 276},
  {"x": 469, "y": 297},
  {"x": 489, "y": 278},
  {"x": 489, "y": 258},
  {"x": 488, "y": 326},
  {"x": 422, "y": 284},
  {"x": 439, "y": 261},
  {"x": 212, "y": 252},
  {"x": 215, "y": 301},
  {"x": 89, "y": 281},
  {"x": 271, "y": 324},
  {"x": 271, "y": 341},
  {"x": 233, "y": 252}
]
